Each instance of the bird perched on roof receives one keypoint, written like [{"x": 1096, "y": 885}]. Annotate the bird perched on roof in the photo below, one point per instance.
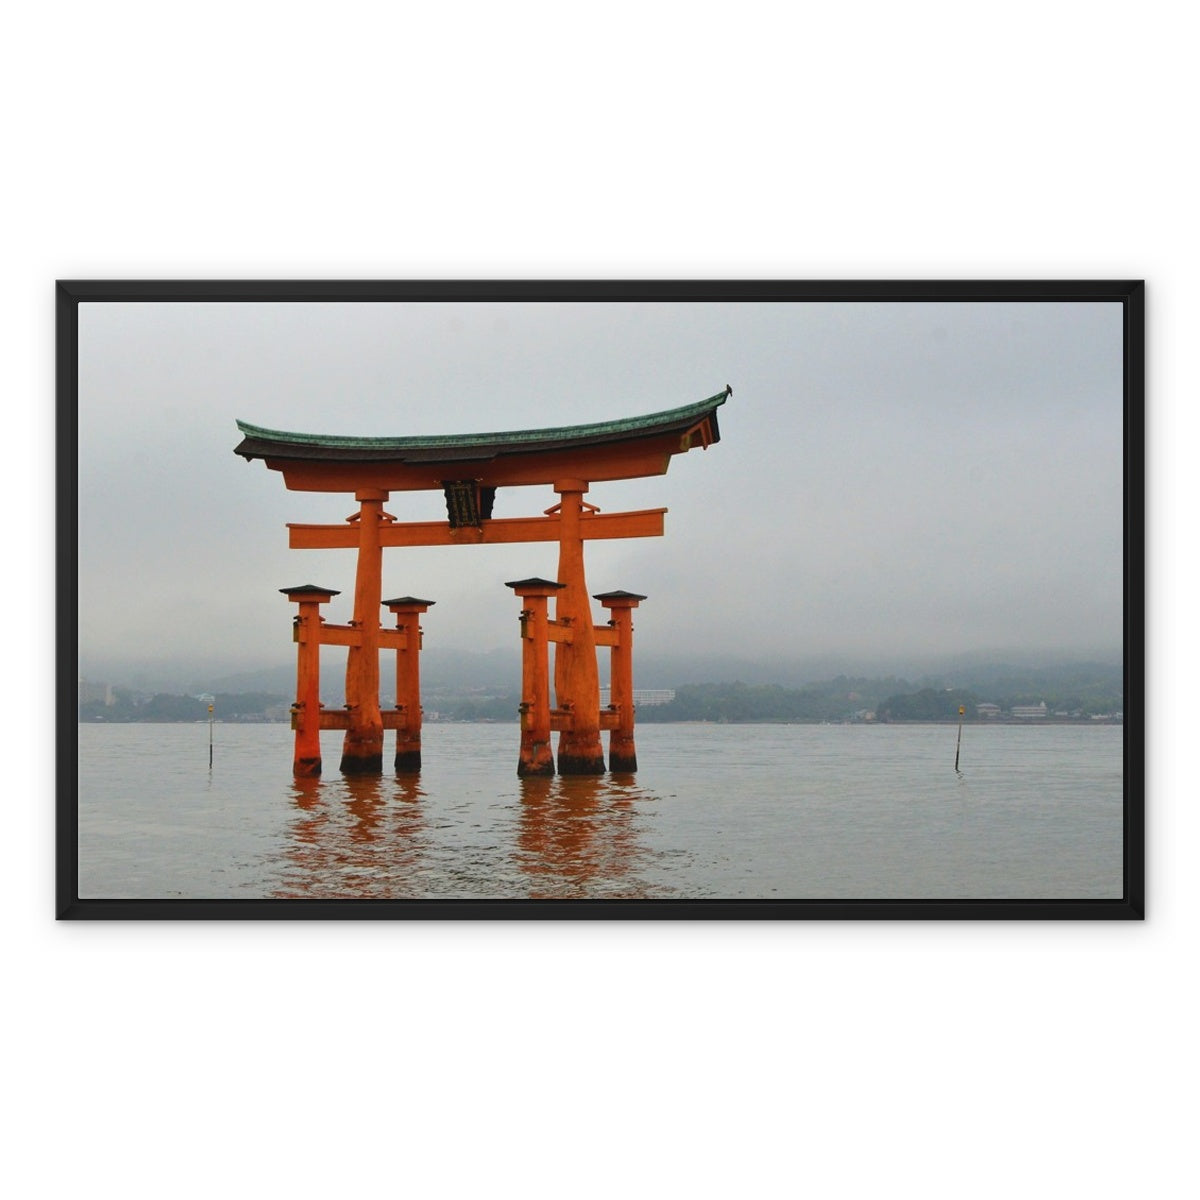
[{"x": 728, "y": 390}]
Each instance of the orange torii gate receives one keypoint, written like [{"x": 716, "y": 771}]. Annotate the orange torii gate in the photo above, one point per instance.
[{"x": 468, "y": 469}]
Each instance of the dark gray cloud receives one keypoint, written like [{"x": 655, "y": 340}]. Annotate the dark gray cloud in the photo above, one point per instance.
[{"x": 892, "y": 479}]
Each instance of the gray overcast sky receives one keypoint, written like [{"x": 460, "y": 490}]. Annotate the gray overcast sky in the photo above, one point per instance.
[{"x": 892, "y": 479}]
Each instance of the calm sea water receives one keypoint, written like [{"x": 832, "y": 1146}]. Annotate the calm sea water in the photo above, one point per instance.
[{"x": 721, "y": 811}]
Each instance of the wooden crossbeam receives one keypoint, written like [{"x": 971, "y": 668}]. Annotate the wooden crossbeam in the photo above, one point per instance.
[
  {"x": 562, "y": 720},
  {"x": 351, "y": 635},
  {"x": 334, "y": 718},
  {"x": 605, "y": 635},
  {"x": 642, "y": 523}
]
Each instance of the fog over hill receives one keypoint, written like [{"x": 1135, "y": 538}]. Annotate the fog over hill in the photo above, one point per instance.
[{"x": 500, "y": 670}]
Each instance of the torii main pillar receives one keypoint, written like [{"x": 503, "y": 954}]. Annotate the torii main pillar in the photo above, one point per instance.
[
  {"x": 362, "y": 747},
  {"x": 576, "y": 677}
]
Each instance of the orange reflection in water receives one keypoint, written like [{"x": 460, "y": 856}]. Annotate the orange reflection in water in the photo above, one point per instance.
[
  {"x": 576, "y": 831},
  {"x": 351, "y": 837},
  {"x": 379, "y": 837}
]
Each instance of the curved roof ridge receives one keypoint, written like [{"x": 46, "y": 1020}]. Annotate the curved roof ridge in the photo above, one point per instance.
[{"x": 509, "y": 437}]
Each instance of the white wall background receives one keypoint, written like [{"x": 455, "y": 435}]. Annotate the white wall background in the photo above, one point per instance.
[{"x": 865, "y": 140}]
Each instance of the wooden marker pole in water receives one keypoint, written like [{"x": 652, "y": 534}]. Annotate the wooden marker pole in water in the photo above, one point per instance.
[
  {"x": 210, "y": 725},
  {"x": 961, "y": 710}
]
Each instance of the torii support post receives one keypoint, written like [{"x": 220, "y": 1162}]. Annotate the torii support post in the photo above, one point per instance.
[
  {"x": 536, "y": 757},
  {"x": 362, "y": 749},
  {"x": 407, "y": 611},
  {"x": 576, "y": 678},
  {"x": 622, "y": 753},
  {"x": 306, "y": 712}
]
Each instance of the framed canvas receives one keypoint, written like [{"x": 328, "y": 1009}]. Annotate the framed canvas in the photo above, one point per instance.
[{"x": 349, "y": 575}]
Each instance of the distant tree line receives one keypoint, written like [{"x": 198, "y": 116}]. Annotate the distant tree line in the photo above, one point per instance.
[
  {"x": 1084, "y": 690},
  {"x": 840, "y": 699},
  {"x": 1079, "y": 690},
  {"x": 490, "y": 708},
  {"x": 928, "y": 704},
  {"x": 130, "y": 706}
]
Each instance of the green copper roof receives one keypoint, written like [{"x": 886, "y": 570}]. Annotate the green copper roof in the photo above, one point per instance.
[{"x": 259, "y": 442}]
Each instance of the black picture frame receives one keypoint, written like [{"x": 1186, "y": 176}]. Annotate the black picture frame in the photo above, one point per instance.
[{"x": 71, "y": 293}]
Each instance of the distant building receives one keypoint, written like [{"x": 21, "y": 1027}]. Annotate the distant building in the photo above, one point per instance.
[
  {"x": 1028, "y": 712},
  {"x": 646, "y": 696},
  {"x": 989, "y": 712}
]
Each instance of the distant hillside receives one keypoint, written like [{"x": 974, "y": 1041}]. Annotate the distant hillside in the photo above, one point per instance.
[
  {"x": 1075, "y": 691},
  {"x": 163, "y": 707},
  {"x": 483, "y": 686},
  {"x": 839, "y": 699},
  {"x": 441, "y": 669}
]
